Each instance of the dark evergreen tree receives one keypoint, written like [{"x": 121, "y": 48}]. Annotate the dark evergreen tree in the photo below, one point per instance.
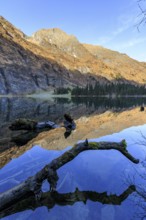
[{"x": 111, "y": 89}]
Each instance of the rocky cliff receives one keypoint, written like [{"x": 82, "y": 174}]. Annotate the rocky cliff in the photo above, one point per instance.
[{"x": 51, "y": 58}]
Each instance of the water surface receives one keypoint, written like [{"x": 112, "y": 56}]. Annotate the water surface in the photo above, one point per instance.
[
  {"x": 53, "y": 109},
  {"x": 89, "y": 174},
  {"x": 92, "y": 171}
]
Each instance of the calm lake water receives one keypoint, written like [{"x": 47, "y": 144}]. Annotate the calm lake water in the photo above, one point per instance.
[
  {"x": 54, "y": 109},
  {"x": 90, "y": 173}
]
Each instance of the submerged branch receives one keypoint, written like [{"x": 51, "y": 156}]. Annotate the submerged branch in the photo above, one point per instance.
[{"x": 33, "y": 184}]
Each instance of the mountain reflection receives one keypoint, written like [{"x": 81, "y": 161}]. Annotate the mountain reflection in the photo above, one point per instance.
[
  {"x": 95, "y": 117},
  {"x": 12, "y": 108},
  {"x": 54, "y": 109}
]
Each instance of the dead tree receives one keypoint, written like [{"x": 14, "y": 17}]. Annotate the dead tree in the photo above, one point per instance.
[
  {"x": 34, "y": 183},
  {"x": 142, "y": 15}
]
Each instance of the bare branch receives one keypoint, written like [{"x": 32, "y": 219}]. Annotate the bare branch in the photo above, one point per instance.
[
  {"x": 142, "y": 14},
  {"x": 33, "y": 184}
]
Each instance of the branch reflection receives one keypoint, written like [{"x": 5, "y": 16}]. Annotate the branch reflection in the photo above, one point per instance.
[{"x": 50, "y": 199}]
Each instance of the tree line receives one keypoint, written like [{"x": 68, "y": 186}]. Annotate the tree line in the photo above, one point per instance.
[{"x": 111, "y": 89}]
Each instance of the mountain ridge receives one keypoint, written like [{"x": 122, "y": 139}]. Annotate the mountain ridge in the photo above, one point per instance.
[{"x": 51, "y": 58}]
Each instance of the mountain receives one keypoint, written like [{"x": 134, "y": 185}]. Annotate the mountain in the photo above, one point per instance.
[
  {"x": 50, "y": 58},
  {"x": 66, "y": 43}
]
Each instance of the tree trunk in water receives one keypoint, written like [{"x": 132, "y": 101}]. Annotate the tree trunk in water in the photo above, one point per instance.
[
  {"x": 33, "y": 184},
  {"x": 50, "y": 199}
]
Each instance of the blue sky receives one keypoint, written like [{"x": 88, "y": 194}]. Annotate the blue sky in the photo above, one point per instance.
[{"x": 109, "y": 23}]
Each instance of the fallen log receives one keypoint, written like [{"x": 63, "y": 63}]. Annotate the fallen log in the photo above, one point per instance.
[
  {"x": 34, "y": 183},
  {"x": 50, "y": 199},
  {"x": 31, "y": 125}
]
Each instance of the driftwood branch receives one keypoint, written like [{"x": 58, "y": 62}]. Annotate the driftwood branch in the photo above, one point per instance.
[
  {"x": 50, "y": 199},
  {"x": 33, "y": 184}
]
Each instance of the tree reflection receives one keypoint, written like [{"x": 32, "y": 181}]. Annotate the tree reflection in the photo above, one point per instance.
[{"x": 140, "y": 195}]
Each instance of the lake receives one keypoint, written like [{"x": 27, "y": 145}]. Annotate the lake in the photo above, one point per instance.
[{"x": 83, "y": 181}]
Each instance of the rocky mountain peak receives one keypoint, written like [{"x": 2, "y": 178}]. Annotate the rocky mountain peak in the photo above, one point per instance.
[
  {"x": 61, "y": 40},
  {"x": 53, "y": 36}
]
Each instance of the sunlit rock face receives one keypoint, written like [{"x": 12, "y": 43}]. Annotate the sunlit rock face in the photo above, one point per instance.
[
  {"x": 59, "y": 39},
  {"x": 28, "y": 68},
  {"x": 51, "y": 58}
]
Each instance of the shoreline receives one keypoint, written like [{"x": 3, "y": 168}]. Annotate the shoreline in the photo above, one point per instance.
[
  {"x": 48, "y": 95},
  {"x": 37, "y": 95},
  {"x": 69, "y": 96}
]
